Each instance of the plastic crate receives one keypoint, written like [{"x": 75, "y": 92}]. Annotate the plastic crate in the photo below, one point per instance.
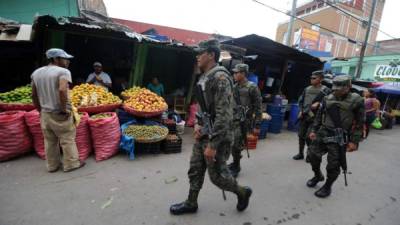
[
  {"x": 172, "y": 146},
  {"x": 152, "y": 148},
  {"x": 252, "y": 142},
  {"x": 171, "y": 125}
]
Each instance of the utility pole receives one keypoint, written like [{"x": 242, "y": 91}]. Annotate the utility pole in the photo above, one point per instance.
[
  {"x": 364, "y": 45},
  {"x": 290, "y": 26}
]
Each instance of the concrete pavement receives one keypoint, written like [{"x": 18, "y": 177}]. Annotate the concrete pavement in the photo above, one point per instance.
[{"x": 119, "y": 191}]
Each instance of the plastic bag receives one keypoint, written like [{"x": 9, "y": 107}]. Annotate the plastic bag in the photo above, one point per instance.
[
  {"x": 376, "y": 123},
  {"x": 83, "y": 140},
  {"x": 106, "y": 135},
  {"x": 32, "y": 119},
  {"x": 127, "y": 142},
  {"x": 15, "y": 139}
]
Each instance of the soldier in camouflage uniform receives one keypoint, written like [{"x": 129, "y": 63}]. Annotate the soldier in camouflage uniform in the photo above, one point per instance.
[
  {"x": 350, "y": 115},
  {"x": 211, "y": 150},
  {"x": 248, "y": 98},
  {"x": 308, "y": 103}
]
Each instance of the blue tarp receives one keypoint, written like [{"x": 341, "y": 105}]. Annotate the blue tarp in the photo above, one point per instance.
[{"x": 389, "y": 88}]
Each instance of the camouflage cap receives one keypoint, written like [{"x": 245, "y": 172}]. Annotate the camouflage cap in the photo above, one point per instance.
[
  {"x": 205, "y": 45},
  {"x": 340, "y": 82},
  {"x": 318, "y": 73},
  {"x": 241, "y": 67}
]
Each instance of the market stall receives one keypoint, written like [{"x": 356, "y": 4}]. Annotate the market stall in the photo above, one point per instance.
[{"x": 146, "y": 130}]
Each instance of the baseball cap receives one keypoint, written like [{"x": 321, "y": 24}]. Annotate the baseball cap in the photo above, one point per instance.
[
  {"x": 57, "y": 52},
  {"x": 340, "y": 82},
  {"x": 241, "y": 67},
  {"x": 205, "y": 45},
  {"x": 318, "y": 73},
  {"x": 97, "y": 64}
]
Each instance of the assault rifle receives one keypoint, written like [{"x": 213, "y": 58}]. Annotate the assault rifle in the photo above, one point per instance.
[
  {"x": 340, "y": 137},
  {"x": 309, "y": 112},
  {"x": 205, "y": 117}
]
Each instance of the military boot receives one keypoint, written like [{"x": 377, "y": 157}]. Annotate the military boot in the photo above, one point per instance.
[
  {"x": 300, "y": 156},
  {"x": 326, "y": 190},
  {"x": 188, "y": 206},
  {"x": 234, "y": 168},
  {"x": 243, "y": 198},
  {"x": 318, "y": 177},
  {"x": 323, "y": 192}
]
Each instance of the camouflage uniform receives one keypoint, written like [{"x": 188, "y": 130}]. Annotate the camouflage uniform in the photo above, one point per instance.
[
  {"x": 215, "y": 88},
  {"x": 219, "y": 98},
  {"x": 250, "y": 97},
  {"x": 351, "y": 107},
  {"x": 305, "y": 102}
]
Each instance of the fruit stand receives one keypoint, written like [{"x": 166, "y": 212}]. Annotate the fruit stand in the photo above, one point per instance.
[
  {"x": 18, "y": 99},
  {"x": 94, "y": 99},
  {"x": 101, "y": 131}
]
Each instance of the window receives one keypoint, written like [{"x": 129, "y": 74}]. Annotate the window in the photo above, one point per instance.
[
  {"x": 308, "y": 10},
  {"x": 315, "y": 26},
  {"x": 352, "y": 70},
  {"x": 299, "y": 13},
  {"x": 320, "y": 5},
  {"x": 336, "y": 70},
  {"x": 314, "y": 7}
]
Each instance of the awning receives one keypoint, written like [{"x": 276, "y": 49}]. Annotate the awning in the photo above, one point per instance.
[
  {"x": 258, "y": 45},
  {"x": 389, "y": 88}
]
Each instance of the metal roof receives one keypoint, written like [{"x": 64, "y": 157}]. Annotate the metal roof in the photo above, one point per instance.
[{"x": 267, "y": 48}]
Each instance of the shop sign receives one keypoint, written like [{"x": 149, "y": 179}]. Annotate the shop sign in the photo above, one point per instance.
[{"x": 387, "y": 72}]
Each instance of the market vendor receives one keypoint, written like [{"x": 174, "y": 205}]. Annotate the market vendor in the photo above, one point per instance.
[
  {"x": 156, "y": 87},
  {"x": 98, "y": 77}
]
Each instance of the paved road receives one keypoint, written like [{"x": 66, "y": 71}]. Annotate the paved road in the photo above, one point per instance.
[{"x": 119, "y": 191}]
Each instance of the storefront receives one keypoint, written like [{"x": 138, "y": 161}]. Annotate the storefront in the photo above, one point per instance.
[
  {"x": 280, "y": 69},
  {"x": 375, "y": 68}
]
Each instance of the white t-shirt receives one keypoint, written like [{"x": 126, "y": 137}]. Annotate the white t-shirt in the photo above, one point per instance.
[
  {"x": 104, "y": 76},
  {"x": 47, "y": 80}
]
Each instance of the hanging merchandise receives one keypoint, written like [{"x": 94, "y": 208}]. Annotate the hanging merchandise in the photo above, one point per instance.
[
  {"x": 14, "y": 136},
  {"x": 105, "y": 132}
]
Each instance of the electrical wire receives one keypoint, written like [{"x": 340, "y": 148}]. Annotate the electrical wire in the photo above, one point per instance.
[
  {"x": 319, "y": 26},
  {"x": 363, "y": 22}
]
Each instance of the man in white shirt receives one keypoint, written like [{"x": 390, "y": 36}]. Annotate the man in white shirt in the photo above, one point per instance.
[
  {"x": 98, "y": 77},
  {"x": 50, "y": 94}
]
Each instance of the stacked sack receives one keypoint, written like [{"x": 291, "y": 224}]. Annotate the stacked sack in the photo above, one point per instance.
[
  {"x": 32, "y": 119},
  {"x": 106, "y": 134},
  {"x": 83, "y": 141},
  {"x": 14, "y": 136}
]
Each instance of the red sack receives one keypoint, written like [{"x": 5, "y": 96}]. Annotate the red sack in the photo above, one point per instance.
[
  {"x": 15, "y": 139},
  {"x": 32, "y": 119},
  {"x": 106, "y": 136},
  {"x": 83, "y": 140}
]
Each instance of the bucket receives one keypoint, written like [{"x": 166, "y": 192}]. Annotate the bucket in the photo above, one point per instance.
[
  {"x": 294, "y": 112},
  {"x": 263, "y": 129}
]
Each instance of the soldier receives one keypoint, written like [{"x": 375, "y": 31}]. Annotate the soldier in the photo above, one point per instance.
[
  {"x": 340, "y": 118},
  {"x": 248, "y": 100},
  {"x": 308, "y": 103},
  {"x": 213, "y": 140}
]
